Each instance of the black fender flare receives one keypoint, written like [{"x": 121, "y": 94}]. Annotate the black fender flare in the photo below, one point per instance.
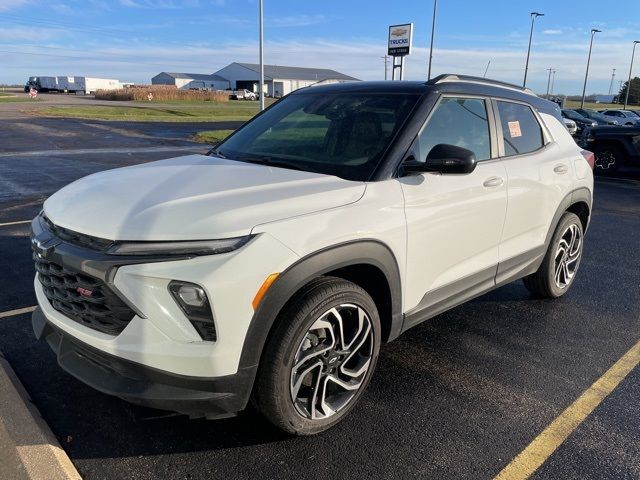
[
  {"x": 582, "y": 194},
  {"x": 369, "y": 252}
]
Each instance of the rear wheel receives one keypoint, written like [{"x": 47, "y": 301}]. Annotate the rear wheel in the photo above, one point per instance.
[
  {"x": 560, "y": 264},
  {"x": 320, "y": 357},
  {"x": 608, "y": 158}
]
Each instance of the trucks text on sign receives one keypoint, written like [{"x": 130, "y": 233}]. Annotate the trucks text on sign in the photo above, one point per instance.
[{"x": 400, "y": 37}]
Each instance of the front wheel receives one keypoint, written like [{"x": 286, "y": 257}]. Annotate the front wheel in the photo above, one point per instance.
[
  {"x": 560, "y": 264},
  {"x": 320, "y": 357}
]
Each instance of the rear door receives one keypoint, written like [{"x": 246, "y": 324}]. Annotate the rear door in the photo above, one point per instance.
[
  {"x": 539, "y": 176},
  {"x": 454, "y": 222}
]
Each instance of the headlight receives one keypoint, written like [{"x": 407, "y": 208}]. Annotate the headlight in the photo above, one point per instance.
[{"x": 195, "y": 247}]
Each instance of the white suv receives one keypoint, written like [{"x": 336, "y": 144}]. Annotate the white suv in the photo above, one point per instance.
[{"x": 273, "y": 268}]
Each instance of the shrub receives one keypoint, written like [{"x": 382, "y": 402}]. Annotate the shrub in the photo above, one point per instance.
[{"x": 161, "y": 93}]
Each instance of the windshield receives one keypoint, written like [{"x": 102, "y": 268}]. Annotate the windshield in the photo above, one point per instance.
[
  {"x": 343, "y": 134},
  {"x": 573, "y": 115}
]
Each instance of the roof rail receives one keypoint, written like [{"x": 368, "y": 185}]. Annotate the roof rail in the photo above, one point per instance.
[{"x": 451, "y": 77}]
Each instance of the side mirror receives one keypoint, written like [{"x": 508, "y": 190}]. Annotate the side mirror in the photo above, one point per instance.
[{"x": 445, "y": 159}]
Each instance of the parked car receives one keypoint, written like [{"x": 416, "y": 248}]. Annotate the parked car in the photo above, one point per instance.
[
  {"x": 274, "y": 267},
  {"x": 581, "y": 121},
  {"x": 635, "y": 112},
  {"x": 597, "y": 116},
  {"x": 613, "y": 147},
  {"x": 243, "y": 94},
  {"x": 623, "y": 116},
  {"x": 571, "y": 126}
]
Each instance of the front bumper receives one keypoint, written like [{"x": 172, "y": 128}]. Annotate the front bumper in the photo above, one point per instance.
[{"x": 217, "y": 397}]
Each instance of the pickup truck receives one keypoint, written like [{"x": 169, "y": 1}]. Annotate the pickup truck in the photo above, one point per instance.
[
  {"x": 613, "y": 147},
  {"x": 243, "y": 94}
]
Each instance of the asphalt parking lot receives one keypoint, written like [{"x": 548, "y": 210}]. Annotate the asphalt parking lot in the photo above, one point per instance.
[{"x": 457, "y": 397}]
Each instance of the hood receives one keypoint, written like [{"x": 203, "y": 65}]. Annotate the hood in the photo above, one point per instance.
[{"x": 194, "y": 197}]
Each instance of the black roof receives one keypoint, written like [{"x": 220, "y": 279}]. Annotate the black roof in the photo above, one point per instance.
[{"x": 448, "y": 83}]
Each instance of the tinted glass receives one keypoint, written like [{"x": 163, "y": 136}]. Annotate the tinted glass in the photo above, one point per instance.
[
  {"x": 573, "y": 115},
  {"x": 520, "y": 129},
  {"x": 457, "y": 121},
  {"x": 337, "y": 134}
]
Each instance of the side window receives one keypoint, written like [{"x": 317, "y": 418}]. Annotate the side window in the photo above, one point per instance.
[
  {"x": 521, "y": 131},
  {"x": 457, "y": 121}
]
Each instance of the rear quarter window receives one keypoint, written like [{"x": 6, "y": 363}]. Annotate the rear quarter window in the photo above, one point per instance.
[{"x": 521, "y": 132}]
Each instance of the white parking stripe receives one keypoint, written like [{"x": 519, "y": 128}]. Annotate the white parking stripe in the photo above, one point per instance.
[
  {"x": 18, "y": 311},
  {"x": 21, "y": 222},
  {"x": 89, "y": 151}
]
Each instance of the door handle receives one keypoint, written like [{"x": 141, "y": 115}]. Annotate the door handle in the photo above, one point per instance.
[
  {"x": 493, "y": 182},
  {"x": 561, "y": 168}
]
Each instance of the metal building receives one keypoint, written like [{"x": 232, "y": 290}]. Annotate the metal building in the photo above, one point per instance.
[
  {"x": 279, "y": 80},
  {"x": 185, "y": 81}
]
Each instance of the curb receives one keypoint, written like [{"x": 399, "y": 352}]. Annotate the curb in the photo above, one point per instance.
[{"x": 30, "y": 450}]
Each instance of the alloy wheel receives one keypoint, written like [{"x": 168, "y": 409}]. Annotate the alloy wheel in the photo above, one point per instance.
[
  {"x": 567, "y": 256},
  {"x": 605, "y": 160},
  {"x": 332, "y": 361}
]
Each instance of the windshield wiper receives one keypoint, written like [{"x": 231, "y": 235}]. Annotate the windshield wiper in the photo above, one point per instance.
[
  {"x": 272, "y": 162},
  {"x": 217, "y": 153}
]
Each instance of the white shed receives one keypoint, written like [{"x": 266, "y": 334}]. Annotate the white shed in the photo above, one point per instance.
[
  {"x": 185, "y": 81},
  {"x": 279, "y": 80}
]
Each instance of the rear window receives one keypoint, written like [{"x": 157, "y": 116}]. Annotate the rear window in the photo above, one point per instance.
[{"x": 521, "y": 131}]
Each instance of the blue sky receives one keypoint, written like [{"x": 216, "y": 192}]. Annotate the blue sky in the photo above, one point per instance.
[{"x": 132, "y": 40}]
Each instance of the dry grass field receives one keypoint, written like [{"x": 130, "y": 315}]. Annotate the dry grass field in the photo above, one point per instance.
[{"x": 161, "y": 93}]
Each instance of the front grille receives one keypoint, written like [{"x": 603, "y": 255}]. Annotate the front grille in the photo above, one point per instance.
[
  {"x": 99, "y": 308},
  {"x": 79, "y": 239}
]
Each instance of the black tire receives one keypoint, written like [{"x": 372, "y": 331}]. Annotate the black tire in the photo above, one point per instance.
[
  {"x": 272, "y": 394},
  {"x": 608, "y": 159},
  {"x": 542, "y": 283}
]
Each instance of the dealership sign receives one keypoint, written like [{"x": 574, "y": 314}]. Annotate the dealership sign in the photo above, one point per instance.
[{"x": 400, "y": 37}]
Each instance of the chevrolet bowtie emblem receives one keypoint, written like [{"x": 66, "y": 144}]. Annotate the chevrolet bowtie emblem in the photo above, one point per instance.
[{"x": 43, "y": 247}]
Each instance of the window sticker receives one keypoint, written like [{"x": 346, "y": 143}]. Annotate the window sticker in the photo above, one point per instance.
[{"x": 514, "y": 129}]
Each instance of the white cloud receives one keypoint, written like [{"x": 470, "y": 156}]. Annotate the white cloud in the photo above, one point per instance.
[
  {"x": 30, "y": 33},
  {"x": 552, "y": 32},
  {"x": 10, "y": 4},
  {"x": 296, "y": 20},
  {"x": 160, "y": 4},
  {"x": 138, "y": 62}
]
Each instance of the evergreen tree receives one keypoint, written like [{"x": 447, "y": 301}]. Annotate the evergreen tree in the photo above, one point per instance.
[{"x": 634, "y": 92}]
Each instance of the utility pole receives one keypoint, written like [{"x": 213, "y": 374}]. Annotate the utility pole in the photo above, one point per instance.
[
  {"x": 261, "y": 15},
  {"x": 626, "y": 97},
  {"x": 534, "y": 15},
  {"x": 553, "y": 80},
  {"x": 549, "y": 80},
  {"x": 613, "y": 76},
  {"x": 433, "y": 31},
  {"x": 586, "y": 74},
  {"x": 386, "y": 60}
]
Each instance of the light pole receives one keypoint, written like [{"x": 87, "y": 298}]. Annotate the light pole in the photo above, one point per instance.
[
  {"x": 553, "y": 80},
  {"x": 549, "y": 81},
  {"x": 626, "y": 97},
  {"x": 534, "y": 15},
  {"x": 433, "y": 32},
  {"x": 261, "y": 88},
  {"x": 586, "y": 75}
]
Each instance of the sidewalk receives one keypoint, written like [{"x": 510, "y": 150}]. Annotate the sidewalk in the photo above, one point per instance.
[{"x": 28, "y": 448}]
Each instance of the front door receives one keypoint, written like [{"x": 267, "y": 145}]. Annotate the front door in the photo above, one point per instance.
[{"x": 454, "y": 222}]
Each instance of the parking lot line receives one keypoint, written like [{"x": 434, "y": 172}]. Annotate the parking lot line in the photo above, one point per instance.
[
  {"x": 18, "y": 311},
  {"x": 21, "y": 222},
  {"x": 541, "y": 448},
  {"x": 85, "y": 151}
]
